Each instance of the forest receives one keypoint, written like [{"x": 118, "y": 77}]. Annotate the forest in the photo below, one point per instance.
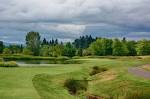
[{"x": 82, "y": 46}]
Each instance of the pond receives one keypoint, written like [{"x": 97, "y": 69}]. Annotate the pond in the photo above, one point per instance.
[{"x": 40, "y": 62}]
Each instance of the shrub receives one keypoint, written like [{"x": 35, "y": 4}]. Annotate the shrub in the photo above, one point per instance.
[
  {"x": 74, "y": 86},
  {"x": 7, "y": 51},
  {"x": 8, "y": 64},
  {"x": 96, "y": 70},
  {"x": 1, "y": 59},
  {"x": 26, "y": 51}
]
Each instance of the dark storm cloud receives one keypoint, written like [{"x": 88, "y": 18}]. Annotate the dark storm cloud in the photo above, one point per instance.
[{"x": 68, "y": 19}]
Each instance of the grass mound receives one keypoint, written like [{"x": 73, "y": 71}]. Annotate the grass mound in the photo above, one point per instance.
[
  {"x": 8, "y": 64},
  {"x": 48, "y": 89}
]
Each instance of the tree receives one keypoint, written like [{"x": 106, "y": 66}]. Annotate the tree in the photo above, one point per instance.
[
  {"x": 124, "y": 40},
  {"x": 97, "y": 47},
  {"x": 15, "y": 49},
  {"x": 69, "y": 50},
  {"x": 86, "y": 52},
  {"x": 119, "y": 48},
  {"x": 7, "y": 51},
  {"x": 56, "y": 42},
  {"x": 44, "y": 42},
  {"x": 56, "y": 50},
  {"x": 79, "y": 52},
  {"x": 33, "y": 42},
  {"x": 26, "y": 51},
  {"x": 131, "y": 45},
  {"x": 143, "y": 47},
  {"x": 101, "y": 47},
  {"x": 83, "y": 42},
  {"x": 44, "y": 51},
  {"x": 1, "y": 47}
]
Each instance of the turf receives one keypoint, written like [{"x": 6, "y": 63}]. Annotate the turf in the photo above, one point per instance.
[{"x": 47, "y": 82}]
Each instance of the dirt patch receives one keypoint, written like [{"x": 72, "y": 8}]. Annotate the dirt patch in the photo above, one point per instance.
[
  {"x": 106, "y": 76},
  {"x": 94, "y": 97},
  {"x": 146, "y": 67}
]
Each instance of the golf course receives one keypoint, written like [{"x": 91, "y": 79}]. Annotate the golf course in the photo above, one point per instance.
[{"x": 47, "y": 81}]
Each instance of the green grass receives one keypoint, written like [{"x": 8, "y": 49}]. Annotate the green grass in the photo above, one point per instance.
[
  {"x": 47, "y": 82},
  {"x": 28, "y": 57}
]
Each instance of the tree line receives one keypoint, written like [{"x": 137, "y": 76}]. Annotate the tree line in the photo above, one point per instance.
[{"x": 82, "y": 46}]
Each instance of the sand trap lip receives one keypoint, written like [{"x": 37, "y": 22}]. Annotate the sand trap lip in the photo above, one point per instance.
[{"x": 139, "y": 71}]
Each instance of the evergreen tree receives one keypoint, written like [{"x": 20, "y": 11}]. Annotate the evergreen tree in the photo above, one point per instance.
[
  {"x": 1, "y": 47},
  {"x": 69, "y": 50},
  {"x": 44, "y": 41}
]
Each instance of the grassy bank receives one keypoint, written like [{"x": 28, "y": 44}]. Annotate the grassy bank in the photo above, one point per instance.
[{"x": 27, "y": 57}]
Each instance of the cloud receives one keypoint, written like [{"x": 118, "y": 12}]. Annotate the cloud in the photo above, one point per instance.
[{"x": 71, "y": 18}]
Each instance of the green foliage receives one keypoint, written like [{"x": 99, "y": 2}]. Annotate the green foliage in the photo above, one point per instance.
[
  {"x": 52, "y": 50},
  {"x": 143, "y": 47},
  {"x": 8, "y": 64},
  {"x": 7, "y": 51},
  {"x": 96, "y": 70},
  {"x": 83, "y": 46},
  {"x": 1, "y": 46},
  {"x": 69, "y": 50},
  {"x": 1, "y": 59},
  {"x": 16, "y": 49},
  {"x": 83, "y": 42},
  {"x": 131, "y": 45},
  {"x": 74, "y": 86},
  {"x": 33, "y": 42},
  {"x": 56, "y": 50},
  {"x": 119, "y": 48},
  {"x": 27, "y": 51},
  {"x": 101, "y": 47},
  {"x": 44, "y": 51},
  {"x": 86, "y": 52},
  {"x": 79, "y": 52}
]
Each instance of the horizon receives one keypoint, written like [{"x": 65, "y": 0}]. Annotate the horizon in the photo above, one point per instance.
[{"x": 74, "y": 18}]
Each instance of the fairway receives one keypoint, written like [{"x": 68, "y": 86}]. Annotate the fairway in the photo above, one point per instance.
[
  {"x": 47, "y": 82},
  {"x": 16, "y": 83}
]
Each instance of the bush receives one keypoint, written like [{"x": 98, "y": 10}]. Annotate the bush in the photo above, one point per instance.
[
  {"x": 7, "y": 51},
  {"x": 26, "y": 51},
  {"x": 74, "y": 86},
  {"x": 96, "y": 70},
  {"x": 1, "y": 59},
  {"x": 8, "y": 64}
]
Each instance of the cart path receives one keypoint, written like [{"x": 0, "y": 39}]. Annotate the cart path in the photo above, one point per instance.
[{"x": 138, "y": 71}]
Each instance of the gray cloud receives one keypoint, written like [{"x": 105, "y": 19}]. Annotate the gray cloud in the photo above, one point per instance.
[{"x": 68, "y": 19}]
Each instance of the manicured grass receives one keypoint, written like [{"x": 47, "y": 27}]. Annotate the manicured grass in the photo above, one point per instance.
[
  {"x": 48, "y": 82},
  {"x": 16, "y": 83}
]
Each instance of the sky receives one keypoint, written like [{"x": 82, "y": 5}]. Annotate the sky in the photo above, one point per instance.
[{"x": 70, "y": 19}]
